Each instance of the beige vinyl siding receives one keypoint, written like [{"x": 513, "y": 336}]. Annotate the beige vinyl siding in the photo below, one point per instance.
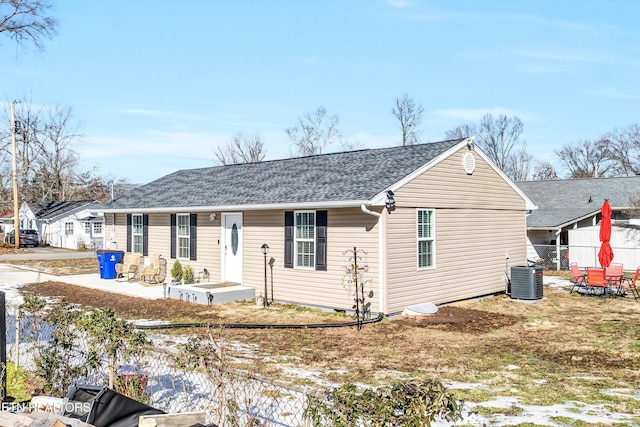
[
  {"x": 447, "y": 184},
  {"x": 478, "y": 219},
  {"x": 469, "y": 261},
  {"x": 346, "y": 228},
  {"x": 159, "y": 241}
]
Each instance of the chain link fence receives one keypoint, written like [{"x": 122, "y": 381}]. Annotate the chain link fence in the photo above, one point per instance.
[
  {"x": 169, "y": 379},
  {"x": 553, "y": 257}
]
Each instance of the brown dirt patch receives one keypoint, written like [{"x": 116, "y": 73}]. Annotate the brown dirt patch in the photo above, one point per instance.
[
  {"x": 449, "y": 318},
  {"x": 460, "y": 319}
]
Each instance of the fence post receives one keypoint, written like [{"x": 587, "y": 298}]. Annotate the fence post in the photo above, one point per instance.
[
  {"x": 3, "y": 346},
  {"x": 16, "y": 345}
]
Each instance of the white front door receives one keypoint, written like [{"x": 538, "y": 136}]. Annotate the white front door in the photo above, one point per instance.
[{"x": 232, "y": 248}]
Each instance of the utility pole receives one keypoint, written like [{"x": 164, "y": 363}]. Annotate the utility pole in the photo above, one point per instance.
[{"x": 16, "y": 224}]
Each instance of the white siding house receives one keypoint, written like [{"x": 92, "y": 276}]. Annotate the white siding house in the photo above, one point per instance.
[{"x": 71, "y": 225}]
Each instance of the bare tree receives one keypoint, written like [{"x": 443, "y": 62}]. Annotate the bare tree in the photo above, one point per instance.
[
  {"x": 57, "y": 159},
  {"x": 314, "y": 132},
  {"x": 242, "y": 149},
  {"x": 499, "y": 138},
  {"x": 409, "y": 116},
  {"x": 45, "y": 156},
  {"x": 519, "y": 164},
  {"x": 544, "y": 171},
  {"x": 624, "y": 149},
  {"x": 462, "y": 131},
  {"x": 586, "y": 158},
  {"x": 27, "y": 21}
]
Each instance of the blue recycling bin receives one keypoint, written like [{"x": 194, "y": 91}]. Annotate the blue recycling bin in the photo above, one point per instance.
[{"x": 108, "y": 260}]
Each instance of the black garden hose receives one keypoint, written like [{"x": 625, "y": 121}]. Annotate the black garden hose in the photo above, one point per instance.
[{"x": 378, "y": 318}]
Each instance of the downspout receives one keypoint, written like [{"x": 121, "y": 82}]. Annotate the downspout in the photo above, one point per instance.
[{"x": 381, "y": 258}]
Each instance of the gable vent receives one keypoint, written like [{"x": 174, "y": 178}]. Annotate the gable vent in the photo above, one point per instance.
[{"x": 469, "y": 163}]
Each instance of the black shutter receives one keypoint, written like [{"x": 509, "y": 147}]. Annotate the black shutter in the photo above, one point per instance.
[
  {"x": 128, "y": 232},
  {"x": 173, "y": 235},
  {"x": 289, "y": 228},
  {"x": 145, "y": 234},
  {"x": 193, "y": 226},
  {"x": 321, "y": 240}
]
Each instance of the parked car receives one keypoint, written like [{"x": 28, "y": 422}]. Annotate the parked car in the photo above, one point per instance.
[{"x": 27, "y": 237}]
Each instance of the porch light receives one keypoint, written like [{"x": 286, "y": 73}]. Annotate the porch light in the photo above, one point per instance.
[{"x": 390, "y": 203}]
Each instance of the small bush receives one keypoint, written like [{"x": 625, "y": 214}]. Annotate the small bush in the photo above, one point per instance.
[
  {"x": 399, "y": 404},
  {"x": 176, "y": 271},
  {"x": 21, "y": 385},
  {"x": 187, "y": 273}
]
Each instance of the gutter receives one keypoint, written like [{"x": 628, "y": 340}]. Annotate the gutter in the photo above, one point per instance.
[
  {"x": 232, "y": 208},
  {"x": 381, "y": 258}
]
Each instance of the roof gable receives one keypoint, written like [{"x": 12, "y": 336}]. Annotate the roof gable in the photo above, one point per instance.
[{"x": 346, "y": 177}]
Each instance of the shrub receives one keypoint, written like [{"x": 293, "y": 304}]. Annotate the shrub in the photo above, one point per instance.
[
  {"x": 176, "y": 270},
  {"x": 187, "y": 273},
  {"x": 399, "y": 404}
]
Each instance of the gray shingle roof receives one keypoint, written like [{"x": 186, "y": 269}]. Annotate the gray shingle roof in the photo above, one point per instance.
[
  {"x": 561, "y": 202},
  {"x": 337, "y": 177},
  {"x": 50, "y": 210}
]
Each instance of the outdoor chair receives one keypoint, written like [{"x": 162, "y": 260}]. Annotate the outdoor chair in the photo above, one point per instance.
[
  {"x": 614, "y": 274},
  {"x": 629, "y": 284},
  {"x": 579, "y": 278},
  {"x": 129, "y": 267},
  {"x": 155, "y": 271},
  {"x": 597, "y": 283}
]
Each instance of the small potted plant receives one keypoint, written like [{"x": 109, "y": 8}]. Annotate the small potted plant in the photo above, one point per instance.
[
  {"x": 187, "y": 274},
  {"x": 176, "y": 272}
]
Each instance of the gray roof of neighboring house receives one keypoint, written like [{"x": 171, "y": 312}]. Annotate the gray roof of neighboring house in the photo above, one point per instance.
[
  {"x": 51, "y": 210},
  {"x": 338, "y": 177},
  {"x": 562, "y": 202}
]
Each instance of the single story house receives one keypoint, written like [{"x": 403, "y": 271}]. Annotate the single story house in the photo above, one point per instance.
[
  {"x": 71, "y": 224},
  {"x": 571, "y": 204},
  {"x": 434, "y": 222}
]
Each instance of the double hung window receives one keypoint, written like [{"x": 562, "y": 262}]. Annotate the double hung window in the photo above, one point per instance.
[
  {"x": 137, "y": 233},
  {"x": 426, "y": 238},
  {"x": 182, "y": 235},
  {"x": 305, "y": 239}
]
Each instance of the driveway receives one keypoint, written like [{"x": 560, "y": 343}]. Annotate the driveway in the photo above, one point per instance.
[{"x": 46, "y": 252}]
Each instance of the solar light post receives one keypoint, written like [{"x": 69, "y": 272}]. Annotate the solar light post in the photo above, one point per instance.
[{"x": 265, "y": 251}]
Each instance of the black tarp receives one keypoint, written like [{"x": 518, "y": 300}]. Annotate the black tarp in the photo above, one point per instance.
[{"x": 106, "y": 407}]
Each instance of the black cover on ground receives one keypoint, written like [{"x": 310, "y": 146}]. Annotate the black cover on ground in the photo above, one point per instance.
[{"x": 109, "y": 408}]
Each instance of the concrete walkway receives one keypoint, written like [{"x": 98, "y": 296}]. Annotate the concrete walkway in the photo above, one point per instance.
[{"x": 13, "y": 276}]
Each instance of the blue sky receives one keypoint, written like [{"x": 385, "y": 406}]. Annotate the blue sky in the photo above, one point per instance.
[{"x": 157, "y": 86}]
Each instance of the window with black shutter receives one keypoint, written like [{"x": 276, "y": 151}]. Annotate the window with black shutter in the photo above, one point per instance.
[{"x": 305, "y": 239}]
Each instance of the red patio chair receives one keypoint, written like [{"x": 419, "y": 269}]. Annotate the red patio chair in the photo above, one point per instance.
[
  {"x": 597, "y": 283},
  {"x": 629, "y": 284},
  {"x": 614, "y": 274},
  {"x": 579, "y": 278}
]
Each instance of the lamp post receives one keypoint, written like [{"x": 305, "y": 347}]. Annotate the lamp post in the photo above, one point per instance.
[{"x": 265, "y": 251}]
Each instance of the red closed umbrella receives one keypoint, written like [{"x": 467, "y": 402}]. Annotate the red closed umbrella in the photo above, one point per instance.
[{"x": 606, "y": 253}]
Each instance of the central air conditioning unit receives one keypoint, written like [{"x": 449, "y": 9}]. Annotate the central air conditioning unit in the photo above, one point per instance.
[{"x": 526, "y": 282}]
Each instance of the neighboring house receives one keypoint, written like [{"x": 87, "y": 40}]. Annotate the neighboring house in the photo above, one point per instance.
[
  {"x": 6, "y": 223},
  {"x": 71, "y": 225},
  {"x": 431, "y": 222},
  {"x": 571, "y": 204}
]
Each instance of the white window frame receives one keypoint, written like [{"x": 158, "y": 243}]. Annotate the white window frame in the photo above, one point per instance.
[
  {"x": 183, "y": 235},
  {"x": 97, "y": 228},
  {"x": 429, "y": 239},
  {"x": 87, "y": 228},
  {"x": 137, "y": 233},
  {"x": 68, "y": 228},
  {"x": 301, "y": 238}
]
